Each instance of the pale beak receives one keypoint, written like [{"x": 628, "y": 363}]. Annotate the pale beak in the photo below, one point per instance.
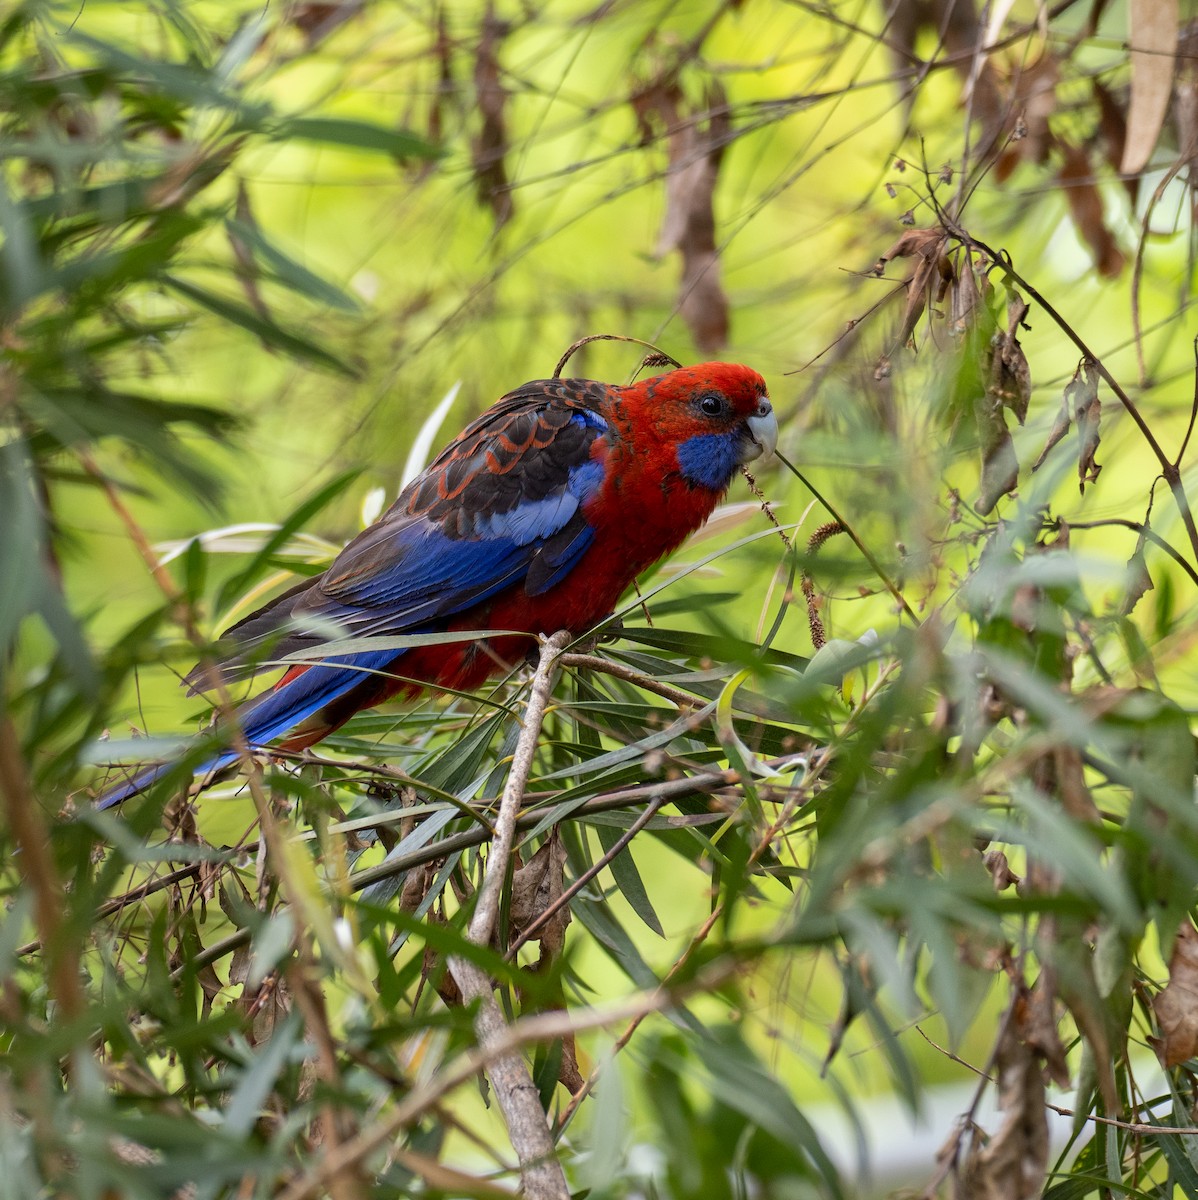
[{"x": 763, "y": 433}]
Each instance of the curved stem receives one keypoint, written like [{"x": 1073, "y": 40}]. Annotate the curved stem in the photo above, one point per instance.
[
  {"x": 1145, "y": 532},
  {"x": 866, "y": 552}
]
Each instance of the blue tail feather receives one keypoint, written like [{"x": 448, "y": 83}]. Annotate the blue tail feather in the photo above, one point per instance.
[{"x": 269, "y": 716}]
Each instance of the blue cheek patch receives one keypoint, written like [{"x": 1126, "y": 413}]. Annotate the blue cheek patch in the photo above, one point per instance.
[{"x": 709, "y": 459}]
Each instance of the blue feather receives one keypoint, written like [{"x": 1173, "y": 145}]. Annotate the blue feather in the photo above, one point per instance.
[
  {"x": 530, "y": 520},
  {"x": 272, "y": 714},
  {"x": 559, "y": 561},
  {"x": 709, "y": 459}
]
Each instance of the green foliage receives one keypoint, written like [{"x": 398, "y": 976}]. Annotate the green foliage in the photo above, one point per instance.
[{"x": 787, "y": 871}]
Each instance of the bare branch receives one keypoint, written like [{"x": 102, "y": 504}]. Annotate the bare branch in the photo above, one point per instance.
[{"x": 515, "y": 1092}]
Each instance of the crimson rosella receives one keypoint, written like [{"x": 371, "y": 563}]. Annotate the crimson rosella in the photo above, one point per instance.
[{"x": 535, "y": 519}]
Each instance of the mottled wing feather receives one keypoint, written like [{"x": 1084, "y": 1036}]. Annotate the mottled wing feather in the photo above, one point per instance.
[
  {"x": 522, "y": 448},
  {"x": 500, "y": 505}
]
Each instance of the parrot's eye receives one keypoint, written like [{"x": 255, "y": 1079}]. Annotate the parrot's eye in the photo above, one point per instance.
[{"x": 713, "y": 405}]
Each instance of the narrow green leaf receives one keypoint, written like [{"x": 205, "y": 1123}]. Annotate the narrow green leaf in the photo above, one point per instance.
[
  {"x": 258, "y": 1077},
  {"x": 628, "y": 879},
  {"x": 296, "y": 276},
  {"x": 270, "y": 333},
  {"x": 349, "y": 134}
]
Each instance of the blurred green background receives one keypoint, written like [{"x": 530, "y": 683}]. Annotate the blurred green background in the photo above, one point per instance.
[{"x": 318, "y": 219}]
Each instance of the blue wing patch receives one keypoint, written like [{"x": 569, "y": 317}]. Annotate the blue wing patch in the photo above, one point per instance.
[{"x": 530, "y": 520}]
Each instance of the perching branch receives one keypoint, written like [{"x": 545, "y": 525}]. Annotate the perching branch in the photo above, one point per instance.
[{"x": 519, "y": 1101}]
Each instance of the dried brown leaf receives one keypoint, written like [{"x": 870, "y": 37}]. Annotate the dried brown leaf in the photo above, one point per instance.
[
  {"x": 317, "y": 21},
  {"x": 927, "y": 247},
  {"x": 1082, "y": 394},
  {"x": 1152, "y": 34},
  {"x": 1176, "y": 1007},
  {"x": 955, "y": 26},
  {"x": 271, "y": 1004},
  {"x": 914, "y": 243},
  {"x": 1000, "y": 870},
  {"x": 1000, "y": 467},
  {"x": 1059, "y": 774},
  {"x": 1112, "y": 127},
  {"x": 1013, "y": 1164},
  {"x": 1041, "y": 1031},
  {"x": 416, "y": 884},
  {"x": 1074, "y": 793},
  {"x": 1085, "y": 206},
  {"x": 971, "y": 284},
  {"x": 1033, "y": 100},
  {"x": 1060, "y": 427},
  {"x": 568, "y": 1074},
  {"x": 239, "y": 965},
  {"x": 1185, "y": 102},
  {"x": 1139, "y": 580},
  {"x": 446, "y": 88},
  {"x": 433, "y": 968},
  {"x": 490, "y": 144},
  {"x": 695, "y": 145},
  {"x": 1010, "y": 375},
  {"x": 534, "y": 888},
  {"x": 703, "y": 305},
  {"x": 1078, "y": 988}
]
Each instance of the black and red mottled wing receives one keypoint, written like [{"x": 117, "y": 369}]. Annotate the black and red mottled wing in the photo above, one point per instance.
[{"x": 502, "y": 504}]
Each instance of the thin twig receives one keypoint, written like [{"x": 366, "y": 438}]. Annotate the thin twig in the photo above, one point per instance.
[
  {"x": 276, "y": 846},
  {"x": 486, "y": 908},
  {"x": 890, "y": 586},
  {"x": 950, "y": 1151},
  {"x": 1061, "y": 1110},
  {"x": 541, "y": 1174},
  {"x": 1137, "y": 272},
  {"x": 594, "y": 662},
  {"x": 36, "y": 863},
  {"x": 336, "y": 1124},
  {"x": 1145, "y": 532},
  {"x": 1185, "y": 441},
  {"x": 781, "y": 822},
  {"x": 623, "y": 798}
]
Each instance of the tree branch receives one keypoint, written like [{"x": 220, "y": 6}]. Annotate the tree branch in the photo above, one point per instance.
[{"x": 519, "y": 1101}]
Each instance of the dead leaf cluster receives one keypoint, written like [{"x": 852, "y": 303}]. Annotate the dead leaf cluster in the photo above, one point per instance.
[
  {"x": 695, "y": 140},
  {"x": 536, "y": 890},
  {"x": 1176, "y": 1006},
  {"x": 948, "y": 284},
  {"x": 1013, "y": 1163},
  {"x": 490, "y": 144},
  {"x": 931, "y": 275},
  {"x": 1080, "y": 404}
]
